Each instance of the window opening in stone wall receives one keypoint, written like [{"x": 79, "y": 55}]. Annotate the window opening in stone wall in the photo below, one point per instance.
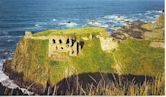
[
  {"x": 67, "y": 42},
  {"x": 73, "y": 41},
  {"x": 72, "y": 51},
  {"x": 60, "y": 41},
  {"x": 81, "y": 44},
  {"x": 54, "y": 41}
]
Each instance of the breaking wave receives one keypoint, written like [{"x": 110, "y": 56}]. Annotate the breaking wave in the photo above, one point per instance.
[
  {"x": 68, "y": 24},
  {"x": 118, "y": 20},
  {"x": 5, "y": 81}
]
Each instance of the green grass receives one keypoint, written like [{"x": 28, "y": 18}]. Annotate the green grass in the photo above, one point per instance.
[
  {"x": 74, "y": 31},
  {"x": 133, "y": 56},
  {"x": 31, "y": 59},
  {"x": 137, "y": 57},
  {"x": 91, "y": 59}
]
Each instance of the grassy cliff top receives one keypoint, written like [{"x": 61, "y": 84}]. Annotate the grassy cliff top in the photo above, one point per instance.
[{"x": 74, "y": 31}]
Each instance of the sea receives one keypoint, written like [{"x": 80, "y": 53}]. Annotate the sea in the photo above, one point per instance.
[{"x": 18, "y": 16}]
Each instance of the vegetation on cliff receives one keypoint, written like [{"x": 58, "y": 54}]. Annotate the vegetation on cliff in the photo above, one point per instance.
[
  {"x": 74, "y": 31},
  {"x": 133, "y": 56}
]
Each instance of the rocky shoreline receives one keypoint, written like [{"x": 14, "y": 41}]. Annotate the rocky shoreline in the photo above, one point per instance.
[
  {"x": 136, "y": 29},
  {"x": 133, "y": 29},
  {"x": 7, "y": 91},
  {"x": 18, "y": 79}
]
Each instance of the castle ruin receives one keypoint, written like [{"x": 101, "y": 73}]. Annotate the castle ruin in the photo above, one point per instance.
[
  {"x": 108, "y": 44},
  {"x": 64, "y": 44}
]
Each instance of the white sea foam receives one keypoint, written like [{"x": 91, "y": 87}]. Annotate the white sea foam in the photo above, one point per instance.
[
  {"x": 99, "y": 23},
  {"x": 9, "y": 83},
  {"x": 153, "y": 11},
  {"x": 68, "y": 24},
  {"x": 37, "y": 25},
  {"x": 5, "y": 81},
  {"x": 156, "y": 16},
  {"x": 3, "y": 76},
  {"x": 105, "y": 26},
  {"x": 116, "y": 18},
  {"x": 94, "y": 23},
  {"x": 54, "y": 20},
  {"x": 10, "y": 40},
  {"x": 40, "y": 24}
]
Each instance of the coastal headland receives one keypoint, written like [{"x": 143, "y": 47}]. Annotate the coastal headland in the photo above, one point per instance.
[{"x": 49, "y": 60}]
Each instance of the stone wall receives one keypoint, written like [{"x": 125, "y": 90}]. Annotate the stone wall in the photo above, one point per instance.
[
  {"x": 28, "y": 34},
  {"x": 108, "y": 44},
  {"x": 60, "y": 47},
  {"x": 63, "y": 44}
]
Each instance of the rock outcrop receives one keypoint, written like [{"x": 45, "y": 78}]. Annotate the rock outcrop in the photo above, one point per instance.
[{"x": 139, "y": 29}]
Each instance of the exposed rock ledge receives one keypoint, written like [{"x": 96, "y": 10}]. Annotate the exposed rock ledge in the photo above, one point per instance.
[
  {"x": 18, "y": 79},
  {"x": 157, "y": 44}
]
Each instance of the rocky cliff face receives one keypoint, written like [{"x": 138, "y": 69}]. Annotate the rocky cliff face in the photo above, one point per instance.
[{"x": 6, "y": 91}]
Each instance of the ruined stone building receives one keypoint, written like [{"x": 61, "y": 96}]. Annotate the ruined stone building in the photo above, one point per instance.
[
  {"x": 108, "y": 44},
  {"x": 64, "y": 45},
  {"x": 28, "y": 34},
  {"x": 60, "y": 47}
]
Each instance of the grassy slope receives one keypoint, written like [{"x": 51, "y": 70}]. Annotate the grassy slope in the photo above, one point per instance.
[
  {"x": 75, "y": 31},
  {"x": 138, "y": 58},
  {"x": 92, "y": 59},
  {"x": 135, "y": 56},
  {"x": 30, "y": 58}
]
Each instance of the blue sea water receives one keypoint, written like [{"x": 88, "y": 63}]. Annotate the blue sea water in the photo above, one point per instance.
[{"x": 18, "y": 16}]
